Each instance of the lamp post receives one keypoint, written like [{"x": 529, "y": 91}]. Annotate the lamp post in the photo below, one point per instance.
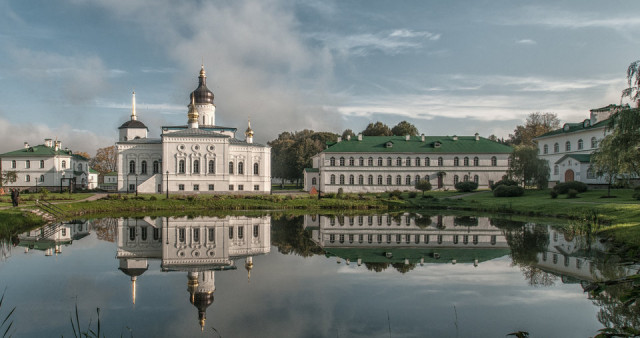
[
  {"x": 61, "y": 179},
  {"x": 167, "y": 184},
  {"x": 37, "y": 178},
  {"x": 136, "y": 184}
]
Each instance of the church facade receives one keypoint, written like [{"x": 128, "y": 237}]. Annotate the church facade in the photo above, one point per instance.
[{"x": 199, "y": 157}]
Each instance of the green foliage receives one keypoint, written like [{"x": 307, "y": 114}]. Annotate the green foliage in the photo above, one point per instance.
[
  {"x": 9, "y": 176},
  {"x": 153, "y": 198},
  {"x": 535, "y": 125},
  {"x": 340, "y": 193},
  {"x": 636, "y": 193},
  {"x": 553, "y": 193},
  {"x": 347, "y": 133},
  {"x": 467, "y": 186},
  {"x": 377, "y": 129},
  {"x": 292, "y": 152},
  {"x": 504, "y": 181},
  {"x": 527, "y": 167},
  {"x": 404, "y": 128},
  {"x": 423, "y": 185},
  {"x": 572, "y": 193},
  {"x": 7, "y": 322},
  {"x": 508, "y": 191},
  {"x": 563, "y": 188},
  {"x": 633, "y": 79},
  {"x": 413, "y": 194},
  {"x": 467, "y": 221},
  {"x": 395, "y": 193}
]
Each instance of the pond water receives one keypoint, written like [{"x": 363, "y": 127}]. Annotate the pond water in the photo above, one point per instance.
[{"x": 388, "y": 275}]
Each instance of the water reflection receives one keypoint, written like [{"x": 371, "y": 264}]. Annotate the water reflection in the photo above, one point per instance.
[
  {"x": 52, "y": 238},
  {"x": 198, "y": 246}
]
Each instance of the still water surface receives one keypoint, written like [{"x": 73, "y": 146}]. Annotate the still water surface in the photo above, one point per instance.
[{"x": 400, "y": 275}]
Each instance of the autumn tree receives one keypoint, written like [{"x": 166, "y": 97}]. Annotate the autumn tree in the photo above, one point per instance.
[
  {"x": 83, "y": 154},
  {"x": 404, "y": 128},
  {"x": 377, "y": 129},
  {"x": 535, "y": 125},
  {"x": 105, "y": 161}
]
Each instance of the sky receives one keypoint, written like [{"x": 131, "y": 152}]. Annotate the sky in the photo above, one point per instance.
[{"x": 68, "y": 67}]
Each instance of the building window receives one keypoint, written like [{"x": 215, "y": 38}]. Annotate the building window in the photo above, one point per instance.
[
  {"x": 389, "y": 161},
  {"x": 196, "y": 166},
  {"x": 143, "y": 168},
  {"x": 230, "y": 232},
  {"x": 41, "y": 163},
  {"x": 407, "y": 180},
  {"x": 545, "y": 149},
  {"x": 379, "y": 161},
  {"x": 418, "y": 161},
  {"x": 360, "y": 180},
  {"x": 27, "y": 178},
  {"x": 370, "y": 162},
  {"x": 398, "y": 162},
  {"x": 567, "y": 146},
  {"x": 476, "y": 161},
  {"x": 342, "y": 161},
  {"x": 132, "y": 166},
  {"x": 351, "y": 180},
  {"x": 455, "y": 179},
  {"x": 398, "y": 180},
  {"x": 231, "y": 187},
  {"x": 240, "y": 187},
  {"x": 408, "y": 161},
  {"x": 417, "y": 178},
  {"x": 313, "y": 181},
  {"x": 156, "y": 167},
  {"x": 361, "y": 162},
  {"x": 456, "y": 161},
  {"x": 580, "y": 144},
  {"x": 494, "y": 161},
  {"x": 196, "y": 235},
  {"x": 370, "y": 180},
  {"x": 379, "y": 179},
  {"x": 212, "y": 235},
  {"x": 556, "y": 148},
  {"x": 230, "y": 168},
  {"x": 476, "y": 178},
  {"x": 427, "y": 162},
  {"x": 556, "y": 170},
  {"x": 389, "y": 180},
  {"x": 240, "y": 168},
  {"x": 440, "y": 162},
  {"x": 13, "y": 164},
  {"x": 212, "y": 166},
  {"x": 590, "y": 174},
  {"x": 181, "y": 167},
  {"x": 41, "y": 178},
  {"x": 196, "y": 187},
  {"x": 333, "y": 179},
  {"x": 182, "y": 235},
  {"x": 181, "y": 187},
  {"x": 256, "y": 187},
  {"x": 341, "y": 179},
  {"x": 332, "y": 161},
  {"x": 256, "y": 168},
  {"x": 466, "y": 178},
  {"x": 211, "y": 186},
  {"x": 240, "y": 232},
  {"x": 27, "y": 164},
  {"x": 594, "y": 142},
  {"x": 256, "y": 231},
  {"x": 466, "y": 161},
  {"x": 351, "y": 161},
  {"x": 64, "y": 165}
]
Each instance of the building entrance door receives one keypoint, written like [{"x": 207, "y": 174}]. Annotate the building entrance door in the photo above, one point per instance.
[
  {"x": 440, "y": 184},
  {"x": 568, "y": 175}
]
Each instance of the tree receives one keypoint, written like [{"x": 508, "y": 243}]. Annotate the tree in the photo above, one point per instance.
[
  {"x": 608, "y": 161},
  {"x": 633, "y": 79},
  {"x": 105, "y": 161},
  {"x": 423, "y": 185},
  {"x": 526, "y": 167},
  {"x": 535, "y": 125},
  {"x": 83, "y": 154},
  {"x": 346, "y": 133},
  {"x": 404, "y": 128},
  {"x": 9, "y": 177},
  {"x": 377, "y": 129}
]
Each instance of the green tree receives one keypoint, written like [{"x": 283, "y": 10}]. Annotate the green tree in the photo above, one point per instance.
[
  {"x": 348, "y": 132},
  {"x": 423, "y": 185},
  {"x": 377, "y": 129},
  {"x": 9, "y": 176},
  {"x": 633, "y": 79},
  {"x": 535, "y": 125},
  {"x": 404, "y": 128},
  {"x": 526, "y": 167},
  {"x": 609, "y": 162}
]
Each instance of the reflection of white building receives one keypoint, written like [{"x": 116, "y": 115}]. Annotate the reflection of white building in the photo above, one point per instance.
[
  {"x": 198, "y": 246},
  {"x": 408, "y": 238},
  {"x": 53, "y": 237}
]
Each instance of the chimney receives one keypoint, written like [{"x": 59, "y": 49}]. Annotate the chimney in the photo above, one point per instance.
[
  {"x": 26, "y": 145},
  {"x": 477, "y": 137},
  {"x": 48, "y": 143},
  {"x": 422, "y": 137},
  {"x": 360, "y": 137},
  {"x": 339, "y": 139},
  {"x": 407, "y": 137},
  {"x": 455, "y": 138}
]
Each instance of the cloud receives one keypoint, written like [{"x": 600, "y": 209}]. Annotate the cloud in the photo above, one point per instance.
[
  {"x": 526, "y": 42},
  {"x": 397, "y": 42},
  {"x": 559, "y": 18}
]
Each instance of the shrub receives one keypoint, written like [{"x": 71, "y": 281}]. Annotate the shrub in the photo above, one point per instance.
[
  {"x": 467, "y": 186},
  {"x": 413, "y": 194},
  {"x": 636, "y": 193},
  {"x": 508, "y": 191},
  {"x": 395, "y": 193},
  {"x": 427, "y": 196},
  {"x": 153, "y": 198},
  {"x": 553, "y": 194},
  {"x": 340, "y": 193},
  {"x": 504, "y": 181},
  {"x": 329, "y": 195},
  {"x": 572, "y": 193},
  {"x": 564, "y": 188}
]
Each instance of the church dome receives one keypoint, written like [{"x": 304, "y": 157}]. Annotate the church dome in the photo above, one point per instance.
[
  {"x": 202, "y": 94},
  {"x": 133, "y": 124}
]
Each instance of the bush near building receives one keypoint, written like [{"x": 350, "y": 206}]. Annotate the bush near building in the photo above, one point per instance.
[
  {"x": 564, "y": 188},
  {"x": 508, "y": 191},
  {"x": 504, "y": 181},
  {"x": 466, "y": 186}
]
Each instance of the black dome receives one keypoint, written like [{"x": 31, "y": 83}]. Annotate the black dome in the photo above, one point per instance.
[
  {"x": 202, "y": 300},
  {"x": 133, "y": 124},
  {"x": 202, "y": 94}
]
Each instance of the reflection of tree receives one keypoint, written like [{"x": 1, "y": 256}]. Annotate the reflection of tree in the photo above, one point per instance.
[
  {"x": 525, "y": 242},
  {"x": 467, "y": 221},
  {"x": 403, "y": 268},
  {"x": 619, "y": 307},
  {"x": 106, "y": 229},
  {"x": 537, "y": 277},
  {"x": 288, "y": 234},
  {"x": 377, "y": 267}
]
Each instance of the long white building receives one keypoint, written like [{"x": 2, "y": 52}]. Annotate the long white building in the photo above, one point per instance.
[{"x": 199, "y": 157}]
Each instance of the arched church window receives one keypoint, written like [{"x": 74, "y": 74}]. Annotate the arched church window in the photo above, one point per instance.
[
  {"x": 212, "y": 167},
  {"x": 240, "y": 168},
  {"x": 313, "y": 181},
  {"x": 594, "y": 142},
  {"x": 545, "y": 149},
  {"x": 143, "y": 167},
  {"x": 476, "y": 161},
  {"x": 333, "y": 179},
  {"x": 181, "y": 167},
  {"x": 196, "y": 166},
  {"x": 132, "y": 167},
  {"x": 256, "y": 168},
  {"x": 156, "y": 167},
  {"x": 440, "y": 162},
  {"x": 466, "y": 161},
  {"x": 64, "y": 164},
  {"x": 79, "y": 166},
  {"x": 230, "y": 167},
  {"x": 494, "y": 161},
  {"x": 456, "y": 161}
]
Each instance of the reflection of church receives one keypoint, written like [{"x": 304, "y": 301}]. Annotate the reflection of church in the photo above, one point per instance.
[
  {"x": 53, "y": 237},
  {"x": 407, "y": 238},
  {"x": 198, "y": 246}
]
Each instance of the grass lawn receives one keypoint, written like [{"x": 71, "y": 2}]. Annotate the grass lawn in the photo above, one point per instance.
[{"x": 29, "y": 199}]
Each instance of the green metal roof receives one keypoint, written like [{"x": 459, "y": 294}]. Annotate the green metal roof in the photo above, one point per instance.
[
  {"x": 113, "y": 173},
  {"x": 80, "y": 157},
  {"x": 92, "y": 171},
  {"x": 39, "y": 150},
  {"x": 575, "y": 127},
  {"x": 431, "y": 144},
  {"x": 446, "y": 255},
  {"x": 582, "y": 158}
]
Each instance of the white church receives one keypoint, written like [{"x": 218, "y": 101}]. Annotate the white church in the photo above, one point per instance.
[{"x": 199, "y": 157}]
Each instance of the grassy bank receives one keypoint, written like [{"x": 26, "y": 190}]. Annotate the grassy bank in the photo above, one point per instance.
[{"x": 15, "y": 220}]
